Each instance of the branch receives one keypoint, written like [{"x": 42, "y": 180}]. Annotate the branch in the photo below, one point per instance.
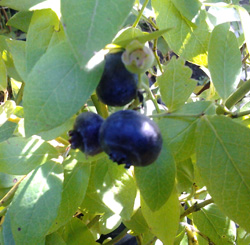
[
  {"x": 191, "y": 229},
  {"x": 196, "y": 207}
]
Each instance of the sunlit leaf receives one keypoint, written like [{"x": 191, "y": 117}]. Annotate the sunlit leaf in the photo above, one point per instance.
[
  {"x": 36, "y": 202},
  {"x": 224, "y": 60},
  {"x": 223, "y": 161},
  {"x": 20, "y": 155}
]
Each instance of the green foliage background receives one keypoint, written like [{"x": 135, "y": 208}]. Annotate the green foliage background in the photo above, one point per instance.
[{"x": 52, "y": 59}]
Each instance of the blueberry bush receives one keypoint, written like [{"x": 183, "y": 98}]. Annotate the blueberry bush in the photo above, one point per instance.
[{"x": 185, "y": 65}]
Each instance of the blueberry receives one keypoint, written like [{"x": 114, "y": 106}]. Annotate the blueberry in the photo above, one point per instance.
[
  {"x": 131, "y": 138},
  {"x": 85, "y": 134},
  {"x": 117, "y": 86}
]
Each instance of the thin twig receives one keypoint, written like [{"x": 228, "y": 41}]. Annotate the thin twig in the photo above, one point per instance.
[
  {"x": 118, "y": 238},
  {"x": 196, "y": 207}
]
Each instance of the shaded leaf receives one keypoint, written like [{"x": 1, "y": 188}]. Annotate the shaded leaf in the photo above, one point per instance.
[
  {"x": 76, "y": 232},
  {"x": 3, "y": 75},
  {"x": 18, "y": 51},
  {"x": 7, "y": 232},
  {"x": 35, "y": 203},
  {"x": 175, "y": 84},
  {"x": 137, "y": 223},
  {"x": 98, "y": 22},
  {"x": 7, "y": 58},
  {"x": 185, "y": 175},
  {"x": 224, "y": 60},
  {"x": 164, "y": 222},
  {"x": 6, "y": 130},
  {"x": 214, "y": 224},
  {"x": 55, "y": 238},
  {"x": 21, "y": 20},
  {"x": 56, "y": 89},
  {"x": 223, "y": 161},
  {"x": 156, "y": 181},
  {"x": 20, "y": 155}
]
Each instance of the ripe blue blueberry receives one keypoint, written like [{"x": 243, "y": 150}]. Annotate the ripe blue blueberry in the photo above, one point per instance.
[
  {"x": 117, "y": 86},
  {"x": 85, "y": 134},
  {"x": 131, "y": 138}
]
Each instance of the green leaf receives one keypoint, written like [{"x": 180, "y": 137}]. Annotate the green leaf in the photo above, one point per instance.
[
  {"x": 224, "y": 60},
  {"x": 185, "y": 176},
  {"x": 164, "y": 222},
  {"x": 7, "y": 232},
  {"x": 18, "y": 51},
  {"x": 245, "y": 19},
  {"x": 6, "y": 111},
  {"x": 156, "y": 181},
  {"x": 21, "y": 20},
  {"x": 243, "y": 237},
  {"x": 45, "y": 26},
  {"x": 93, "y": 25},
  {"x": 74, "y": 189},
  {"x": 56, "y": 89},
  {"x": 116, "y": 187},
  {"x": 137, "y": 223},
  {"x": 7, "y": 180},
  {"x": 214, "y": 224},
  {"x": 138, "y": 35},
  {"x": 75, "y": 232},
  {"x": 189, "y": 9},
  {"x": 8, "y": 60},
  {"x": 3, "y": 75},
  {"x": 6, "y": 130},
  {"x": 187, "y": 39},
  {"x": 36, "y": 202},
  {"x": 55, "y": 238},
  {"x": 175, "y": 84},
  {"x": 223, "y": 161},
  {"x": 20, "y": 155},
  {"x": 178, "y": 132},
  {"x": 30, "y": 5},
  {"x": 55, "y": 132}
]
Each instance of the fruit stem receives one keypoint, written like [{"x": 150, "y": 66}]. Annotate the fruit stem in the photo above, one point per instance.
[
  {"x": 140, "y": 14},
  {"x": 100, "y": 107},
  {"x": 148, "y": 90},
  {"x": 238, "y": 94}
]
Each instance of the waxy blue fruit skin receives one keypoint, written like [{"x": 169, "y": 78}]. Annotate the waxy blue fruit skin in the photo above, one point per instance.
[
  {"x": 117, "y": 86},
  {"x": 130, "y": 138},
  {"x": 85, "y": 134}
]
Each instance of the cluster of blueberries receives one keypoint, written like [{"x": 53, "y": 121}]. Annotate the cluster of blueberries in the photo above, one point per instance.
[{"x": 127, "y": 136}]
